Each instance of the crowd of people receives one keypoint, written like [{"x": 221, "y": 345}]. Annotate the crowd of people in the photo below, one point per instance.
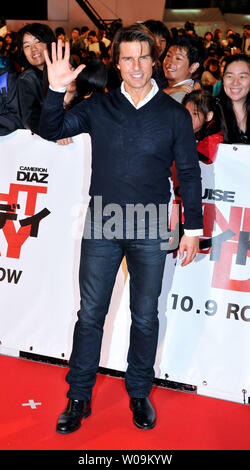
[{"x": 212, "y": 71}]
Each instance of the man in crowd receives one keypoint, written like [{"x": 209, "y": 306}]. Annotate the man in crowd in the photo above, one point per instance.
[
  {"x": 75, "y": 43},
  {"x": 246, "y": 39},
  {"x": 135, "y": 133},
  {"x": 33, "y": 39},
  {"x": 94, "y": 45},
  {"x": 184, "y": 56}
]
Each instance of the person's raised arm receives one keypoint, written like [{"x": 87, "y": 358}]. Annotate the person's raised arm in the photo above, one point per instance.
[
  {"x": 55, "y": 123},
  {"x": 60, "y": 73}
]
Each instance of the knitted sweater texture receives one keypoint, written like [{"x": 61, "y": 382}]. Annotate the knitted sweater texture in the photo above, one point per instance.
[{"x": 132, "y": 149}]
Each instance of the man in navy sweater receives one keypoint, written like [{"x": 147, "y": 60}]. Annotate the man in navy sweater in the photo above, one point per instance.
[{"x": 136, "y": 132}]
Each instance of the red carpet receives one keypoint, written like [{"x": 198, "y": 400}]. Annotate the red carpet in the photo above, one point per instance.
[{"x": 184, "y": 421}]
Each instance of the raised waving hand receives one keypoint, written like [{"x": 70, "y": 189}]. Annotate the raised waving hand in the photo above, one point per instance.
[{"x": 60, "y": 73}]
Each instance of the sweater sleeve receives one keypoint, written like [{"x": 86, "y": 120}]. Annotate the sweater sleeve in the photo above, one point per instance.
[
  {"x": 57, "y": 124},
  {"x": 188, "y": 170}
]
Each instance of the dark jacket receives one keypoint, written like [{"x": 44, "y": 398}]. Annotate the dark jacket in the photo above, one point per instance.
[
  {"x": 30, "y": 97},
  {"x": 10, "y": 119}
]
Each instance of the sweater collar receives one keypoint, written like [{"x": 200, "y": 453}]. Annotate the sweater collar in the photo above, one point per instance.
[{"x": 147, "y": 98}]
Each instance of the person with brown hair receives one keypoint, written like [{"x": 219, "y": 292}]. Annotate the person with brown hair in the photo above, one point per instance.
[{"x": 135, "y": 136}]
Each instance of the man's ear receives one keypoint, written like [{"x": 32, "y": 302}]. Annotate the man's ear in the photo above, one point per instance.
[
  {"x": 118, "y": 66},
  {"x": 194, "y": 67}
]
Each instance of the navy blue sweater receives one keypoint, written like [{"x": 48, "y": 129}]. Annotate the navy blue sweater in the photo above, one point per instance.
[{"x": 132, "y": 149}]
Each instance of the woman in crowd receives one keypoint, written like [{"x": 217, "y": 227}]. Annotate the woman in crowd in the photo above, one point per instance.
[
  {"x": 211, "y": 74},
  {"x": 208, "y": 40},
  {"x": 218, "y": 37},
  {"x": 206, "y": 120},
  {"x": 235, "y": 100},
  {"x": 234, "y": 44},
  {"x": 33, "y": 39},
  {"x": 162, "y": 39},
  {"x": 218, "y": 85}
]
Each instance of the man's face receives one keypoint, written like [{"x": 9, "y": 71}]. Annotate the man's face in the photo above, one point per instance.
[
  {"x": 75, "y": 34},
  {"x": 92, "y": 39},
  {"x": 136, "y": 66},
  {"x": 34, "y": 50},
  {"x": 176, "y": 65}
]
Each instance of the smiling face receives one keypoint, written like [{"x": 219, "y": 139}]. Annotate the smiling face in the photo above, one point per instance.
[
  {"x": 236, "y": 81},
  {"x": 136, "y": 67},
  {"x": 176, "y": 65},
  {"x": 33, "y": 50}
]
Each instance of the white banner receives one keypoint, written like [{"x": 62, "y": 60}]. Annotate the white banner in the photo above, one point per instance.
[
  {"x": 204, "y": 308},
  {"x": 39, "y": 261},
  {"x": 206, "y": 340}
]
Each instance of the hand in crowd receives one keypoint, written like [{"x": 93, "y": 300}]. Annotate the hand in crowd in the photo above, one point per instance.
[
  {"x": 185, "y": 87},
  {"x": 197, "y": 86},
  {"x": 60, "y": 73},
  {"x": 66, "y": 141}
]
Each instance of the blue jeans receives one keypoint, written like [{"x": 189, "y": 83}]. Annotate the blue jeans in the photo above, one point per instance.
[{"x": 100, "y": 261}]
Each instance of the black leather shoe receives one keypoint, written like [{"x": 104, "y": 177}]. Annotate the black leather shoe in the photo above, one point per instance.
[
  {"x": 70, "y": 420},
  {"x": 144, "y": 413}
]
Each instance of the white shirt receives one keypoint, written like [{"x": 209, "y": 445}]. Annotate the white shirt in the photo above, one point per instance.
[
  {"x": 94, "y": 47},
  {"x": 148, "y": 97},
  {"x": 189, "y": 82}
]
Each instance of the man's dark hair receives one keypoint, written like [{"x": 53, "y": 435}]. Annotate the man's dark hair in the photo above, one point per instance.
[
  {"x": 193, "y": 46},
  {"x": 84, "y": 29},
  {"x": 92, "y": 33},
  {"x": 189, "y": 26},
  {"x": 157, "y": 27},
  {"x": 59, "y": 30},
  {"x": 41, "y": 31},
  {"x": 135, "y": 32}
]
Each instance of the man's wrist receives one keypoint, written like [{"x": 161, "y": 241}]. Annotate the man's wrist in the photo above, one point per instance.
[
  {"x": 198, "y": 232},
  {"x": 59, "y": 90}
]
